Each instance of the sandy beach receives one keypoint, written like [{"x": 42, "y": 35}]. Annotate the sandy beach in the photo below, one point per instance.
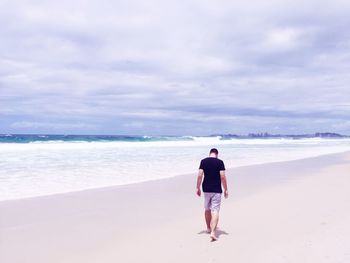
[{"x": 295, "y": 211}]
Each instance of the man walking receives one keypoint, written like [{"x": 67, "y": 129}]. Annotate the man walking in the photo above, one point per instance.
[{"x": 213, "y": 170}]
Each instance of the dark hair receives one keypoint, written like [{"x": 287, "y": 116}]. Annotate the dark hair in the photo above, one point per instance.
[{"x": 214, "y": 150}]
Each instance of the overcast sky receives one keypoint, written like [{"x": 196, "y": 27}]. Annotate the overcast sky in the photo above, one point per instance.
[{"x": 174, "y": 67}]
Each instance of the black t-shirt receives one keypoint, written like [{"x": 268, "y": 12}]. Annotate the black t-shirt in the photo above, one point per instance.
[{"x": 212, "y": 180}]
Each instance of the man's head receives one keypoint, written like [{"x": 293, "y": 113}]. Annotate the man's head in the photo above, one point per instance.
[{"x": 214, "y": 152}]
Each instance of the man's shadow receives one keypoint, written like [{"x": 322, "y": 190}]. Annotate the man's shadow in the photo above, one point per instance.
[{"x": 218, "y": 232}]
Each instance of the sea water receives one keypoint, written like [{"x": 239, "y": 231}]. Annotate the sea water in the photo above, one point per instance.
[{"x": 36, "y": 165}]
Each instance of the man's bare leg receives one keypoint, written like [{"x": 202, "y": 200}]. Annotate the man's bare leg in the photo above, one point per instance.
[
  {"x": 213, "y": 224},
  {"x": 207, "y": 214}
]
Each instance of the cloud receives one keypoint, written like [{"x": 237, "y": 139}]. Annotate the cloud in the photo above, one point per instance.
[
  {"x": 176, "y": 67},
  {"x": 50, "y": 125}
]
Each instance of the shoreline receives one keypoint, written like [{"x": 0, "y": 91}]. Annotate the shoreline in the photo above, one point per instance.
[
  {"x": 165, "y": 178},
  {"x": 277, "y": 212}
]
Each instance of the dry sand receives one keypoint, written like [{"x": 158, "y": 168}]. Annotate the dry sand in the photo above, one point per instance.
[{"x": 297, "y": 211}]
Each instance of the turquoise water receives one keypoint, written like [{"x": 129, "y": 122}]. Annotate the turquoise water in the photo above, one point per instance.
[{"x": 30, "y": 138}]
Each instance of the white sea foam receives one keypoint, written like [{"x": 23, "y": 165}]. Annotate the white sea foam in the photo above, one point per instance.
[{"x": 34, "y": 169}]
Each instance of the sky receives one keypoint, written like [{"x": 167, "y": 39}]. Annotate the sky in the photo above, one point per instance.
[{"x": 179, "y": 67}]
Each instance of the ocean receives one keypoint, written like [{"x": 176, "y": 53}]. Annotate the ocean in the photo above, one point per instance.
[{"x": 37, "y": 165}]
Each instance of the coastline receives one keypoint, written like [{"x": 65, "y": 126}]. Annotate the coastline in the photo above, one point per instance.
[
  {"x": 112, "y": 187},
  {"x": 164, "y": 217},
  {"x": 39, "y": 169}
]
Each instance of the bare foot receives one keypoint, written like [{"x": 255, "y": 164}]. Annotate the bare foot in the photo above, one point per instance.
[
  {"x": 213, "y": 237},
  {"x": 208, "y": 230}
]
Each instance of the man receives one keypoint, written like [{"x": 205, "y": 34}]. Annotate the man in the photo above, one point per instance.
[{"x": 213, "y": 170}]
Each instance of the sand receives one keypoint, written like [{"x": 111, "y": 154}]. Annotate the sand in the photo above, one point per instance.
[{"x": 296, "y": 211}]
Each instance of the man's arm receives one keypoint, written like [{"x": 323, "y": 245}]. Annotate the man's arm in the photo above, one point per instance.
[
  {"x": 224, "y": 182},
  {"x": 199, "y": 181}
]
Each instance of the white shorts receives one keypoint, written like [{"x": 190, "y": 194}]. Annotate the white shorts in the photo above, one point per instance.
[{"x": 212, "y": 201}]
